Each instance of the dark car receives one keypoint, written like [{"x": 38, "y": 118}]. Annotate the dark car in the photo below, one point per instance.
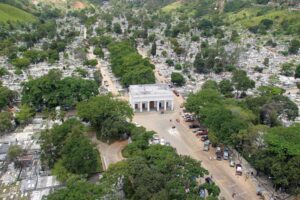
[
  {"x": 204, "y": 138},
  {"x": 194, "y": 126}
]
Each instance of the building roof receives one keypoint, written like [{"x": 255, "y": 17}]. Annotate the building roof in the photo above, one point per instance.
[{"x": 150, "y": 90}]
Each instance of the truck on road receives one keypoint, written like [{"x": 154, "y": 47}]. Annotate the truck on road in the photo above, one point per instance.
[{"x": 238, "y": 169}]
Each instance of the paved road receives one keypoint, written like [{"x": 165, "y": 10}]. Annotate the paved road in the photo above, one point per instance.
[{"x": 110, "y": 153}]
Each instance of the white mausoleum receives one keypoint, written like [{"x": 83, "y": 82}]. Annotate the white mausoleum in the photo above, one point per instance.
[{"x": 151, "y": 97}]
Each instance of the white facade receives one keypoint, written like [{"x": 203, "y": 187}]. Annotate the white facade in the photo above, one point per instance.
[{"x": 151, "y": 97}]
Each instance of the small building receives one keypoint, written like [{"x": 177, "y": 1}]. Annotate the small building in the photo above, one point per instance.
[{"x": 151, "y": 97}]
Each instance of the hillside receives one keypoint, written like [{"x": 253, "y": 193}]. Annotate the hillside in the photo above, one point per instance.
[{"x": 10, "y": 13}]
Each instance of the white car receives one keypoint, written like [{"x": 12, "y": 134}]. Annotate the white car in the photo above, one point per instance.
[
  {"x": 162, "y": 141},
  {"x": 137, "y": 125}
]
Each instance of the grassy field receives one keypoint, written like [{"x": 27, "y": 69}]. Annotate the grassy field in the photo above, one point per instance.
[
  {"x": 253, "y": 16},
  {"x": 14, "y": 14},
  {"x": 171, "y": 7}
]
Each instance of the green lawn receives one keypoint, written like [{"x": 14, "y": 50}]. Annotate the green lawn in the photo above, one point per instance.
[
  {"x": 14, "y": 14},
  {"x": 171, "y": 7}
]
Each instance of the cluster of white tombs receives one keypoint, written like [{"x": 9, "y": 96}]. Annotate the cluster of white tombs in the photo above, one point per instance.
[{"x": 151, "y": 97}]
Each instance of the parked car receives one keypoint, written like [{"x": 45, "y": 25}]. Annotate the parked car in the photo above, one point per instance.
[
  {"x": 226, "y": 154},
  {"x": 199, "y": 133},
  {"x": 219, "y": 153},
  {"x": 204, "y": 138},
  {"x": 206, "y": 145},
  {"x": 231, "y": 163},
  {"x": 194, "y": 126},
  {"x": 238, "y": 169}
]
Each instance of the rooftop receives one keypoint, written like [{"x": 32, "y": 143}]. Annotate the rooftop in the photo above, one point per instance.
[{"x": 150, "y": 89}]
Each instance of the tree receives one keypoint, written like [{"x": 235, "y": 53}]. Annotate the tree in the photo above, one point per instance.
[
  {"x": 177, "y": 79},
  {"x": 294, "y": 46},
  {"x": 14, "y": 152},
  {"x": 25, "y": 115},
  {"x": 153, "y": 49},
  {"x": 297, "y": 72},
  {"x": 78, "y": 154},
  {"x": 287, "y": 69},
  {"x": 5, "y": 122},
  {"x": 98, "y": 51},
  {"x": 117, "y": 28},
  {"x": 50, "y": 91},
  {"x": 204, "y": 98},
  {"x": 7, "y": 97},
  {"x": 107, "y": 115},
  {"x": 53, "y": 140},
  {"x": 241, "y": 81},
  {"x": 92, "y": 62},
  {"x": 226, "y": 88},
  {"x": 210, "y": 84},
  {"x": 21, "y": 63}
]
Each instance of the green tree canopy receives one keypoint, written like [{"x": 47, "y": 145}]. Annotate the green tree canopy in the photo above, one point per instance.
[
  {"x": 107, "y": 115},
  {"x": 25, "y": 115},
  {"x": 177, "y": 79},
  {"x": 51, "y": 90}
]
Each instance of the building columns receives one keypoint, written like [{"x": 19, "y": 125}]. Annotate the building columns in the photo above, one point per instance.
[
  {"x": 172, "y": 105},
  {"x": 157, "y": 105},
  {"x": 141, "y": 106},
  {"x": 165, "y": 105},
  {"x": 148, "y": 106}
]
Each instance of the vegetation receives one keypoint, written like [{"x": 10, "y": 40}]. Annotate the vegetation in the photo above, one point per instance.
[
  {"x": 177, "y": 79},
  {"x": 25, "y": 115},
  {"x": 13, "y": 14},
  {"x": 65, "y": 148},
  {"x": 51, "y": 90},
  {"x": 129, "y": 65},
  {"x": 5, "y": 122},
  {"x": 7, "y": 97},
  {"x": 108, "y": 116}
]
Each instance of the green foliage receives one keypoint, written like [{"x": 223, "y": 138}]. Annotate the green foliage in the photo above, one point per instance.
[
  {"x": 297, "y": 71},
  {"x": 82, "y": 72},
  {"x": 204, "y": 98},
  {"x": 241, "y": 81},
  {"x": 50, "y": 91},
  {"x": 21, "y": 63},
  {"x": 3, "y": 71},
  {"x": 153, "y": 49},
  {"x": 129, "y": 65},
  {"x": 212, "y": 59},
  {"x": 35, "y": 56},
  {"x": 52, "y": 141},
  {"x": 14, "y": 151},
  {"x": 226, "y": 88},
  {"x": 7, "y": 97},
  {"x": 25, "y": 115},
  {"x": 98, "y": 51},
  {"x": 107, "y": 116},
  {"x": 210, "y": 84},
  {"x": 177, "y": 79},
  {"x": 92, "y": 62},
  {"x": 294, "y": 46},
  {"x": 287, "y": 69},
  {"x": 270, "y": 90},
  {"x": 280, "y": 157},
  {"x": 77, "y": 190},
  {"x": 117, "y": 28},
  {"x": 233, "y": 6},
  {"x": 5, "y": 122},
  {"x": 78, "y": 155}
]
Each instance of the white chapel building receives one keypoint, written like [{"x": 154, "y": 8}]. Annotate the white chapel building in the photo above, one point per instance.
[{"x": 151, "y": 97}]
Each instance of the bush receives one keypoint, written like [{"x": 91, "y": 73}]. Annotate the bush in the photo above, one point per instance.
[{"x": 177, "y": 79}]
